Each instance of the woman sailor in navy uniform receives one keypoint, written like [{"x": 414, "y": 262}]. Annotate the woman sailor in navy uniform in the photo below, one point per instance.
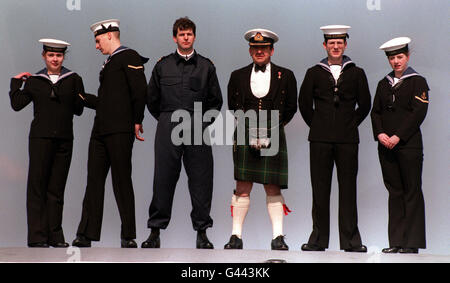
[
  {"x": 399, "y": 108},
  {"x": 54, "y": 92}
]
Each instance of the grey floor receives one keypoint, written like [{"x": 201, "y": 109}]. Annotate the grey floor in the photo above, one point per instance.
[{"x": 73, "y": 254}]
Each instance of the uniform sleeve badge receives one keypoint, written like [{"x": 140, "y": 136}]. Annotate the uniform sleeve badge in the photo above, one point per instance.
[{"x": 423, "y": 98}]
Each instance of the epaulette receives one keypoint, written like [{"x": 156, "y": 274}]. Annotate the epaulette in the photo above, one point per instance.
[{"x": 162, "y": 58}]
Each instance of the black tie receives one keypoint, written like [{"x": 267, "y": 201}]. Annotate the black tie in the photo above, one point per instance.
[{"x": 260, "y": 68}]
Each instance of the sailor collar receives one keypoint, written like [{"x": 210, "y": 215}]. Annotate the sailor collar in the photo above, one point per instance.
[
  {"x": 346, "y": 61},
  {"x": 118, "y": 50},
  {"x": 44, "y": 74},
  {"x": 409, "y": 72}
]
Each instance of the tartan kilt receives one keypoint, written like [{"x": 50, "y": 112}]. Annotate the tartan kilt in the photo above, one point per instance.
[{"x": 250, "y": 166}]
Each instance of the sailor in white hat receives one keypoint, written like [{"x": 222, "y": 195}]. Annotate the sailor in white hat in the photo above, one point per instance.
[
  {"x": 272, "y": 88},
  {"x": 54, "y": 45},
  {"x": 334, "y": 99},
  {"x": 397, "y": 51},
  {"x": 54, "y": 92},
  {"x": 399, "y": 108},
  {"x": 119, "y": 108},
  {"x": 105, "y": 26},
  {"x": 107, "y": 36},
  {"x": 53, "y": 53},
  {"x": 396, "y": 46},
  {"x": 335, "y": 31}
]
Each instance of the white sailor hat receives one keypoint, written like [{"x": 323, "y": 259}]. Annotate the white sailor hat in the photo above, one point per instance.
[
  {"x": 54, "y": 45},
  {"x": 260, "y": 36},
  {"x": 396, "y": 46},
  {"x": 335, "y": 31},
  {"x": 105, "y": 26}
]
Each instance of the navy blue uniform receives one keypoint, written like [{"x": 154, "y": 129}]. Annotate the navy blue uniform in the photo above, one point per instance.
[
  {"x": 50, "y": 148},
  {"x": 329, "y": 109},
  {"x": 119, "y": 106},
  {"x": 399, "y": 110},
  {"x": 175, "y": 85}
]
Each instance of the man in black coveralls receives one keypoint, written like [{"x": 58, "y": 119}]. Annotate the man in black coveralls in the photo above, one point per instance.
[
  {"x": 179, "y": 80},
  {"x": 120, "y": 106},
  {"x": 328, "y": 97}
]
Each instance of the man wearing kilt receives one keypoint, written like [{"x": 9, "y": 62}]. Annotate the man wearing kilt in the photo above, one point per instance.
[{"x": 267, "y": 94}]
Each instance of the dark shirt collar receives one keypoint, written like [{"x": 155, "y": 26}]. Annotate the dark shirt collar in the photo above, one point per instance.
[{"x": 180, "y": 58}]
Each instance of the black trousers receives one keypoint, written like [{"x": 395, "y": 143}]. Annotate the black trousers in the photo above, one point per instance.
[
  {"x": 198, "y": 163},
  {"x": 402, "y": 176},
  {"x": 111, "y": 151},
  {"x": 47, "y": 175},
  {"x": 323, "y": 156}
]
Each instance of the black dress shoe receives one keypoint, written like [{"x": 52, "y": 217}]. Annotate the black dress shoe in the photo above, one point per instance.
[
  {"x": 59, "y": 245},
  {"x": 408, "y": 250},
  {"x": 202, "y": 241},
  {"x": 38, "y": 245},
  {"x": 392, "y": 250},
  {"x": 129, "y": 244},
  {"x": 279, "y": 244},
  {"x": 359, "y": 249},
  {"x": 81, "y": 242},
  {"x": 152, "y": 242},
  {"x": 234, "y": 243},
  {"x": 312, "y": 248}
]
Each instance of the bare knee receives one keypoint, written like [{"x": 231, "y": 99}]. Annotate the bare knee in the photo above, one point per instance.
[
  {"x": 243, "y": 188},
  {"x": 272, "y": 190}
]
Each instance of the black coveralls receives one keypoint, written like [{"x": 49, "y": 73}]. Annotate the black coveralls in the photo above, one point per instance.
[{"x": 175, "y": 85}]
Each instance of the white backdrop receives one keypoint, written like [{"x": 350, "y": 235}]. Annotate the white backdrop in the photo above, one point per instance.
[{"x": 147, "y": 27}]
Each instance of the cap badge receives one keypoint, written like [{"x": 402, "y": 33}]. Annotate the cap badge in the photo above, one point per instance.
[{"x": 259, "y": 37}]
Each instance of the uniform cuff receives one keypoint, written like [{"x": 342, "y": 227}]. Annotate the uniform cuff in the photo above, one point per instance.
[{"x": 16, "y": 83}]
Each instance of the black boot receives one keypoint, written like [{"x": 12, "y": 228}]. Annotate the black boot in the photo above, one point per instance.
[
  {"x": 202, "y": 240},
  {"x": 312, "y": 248},
  {"x": 58, "y": 244},
  {"x": 392, "y": 250},
  {"x": 38, "y": 245},
  {"x": 234, "y": 243},
  {"x": 153, "y": 241},
  {"x": 130, "y": 243},
  {"x": 81, "y": 242},
  {"x": 408, "y": 250},
  {"x": 358, "y": 249},
  {"x": 279, "y": 244}
]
